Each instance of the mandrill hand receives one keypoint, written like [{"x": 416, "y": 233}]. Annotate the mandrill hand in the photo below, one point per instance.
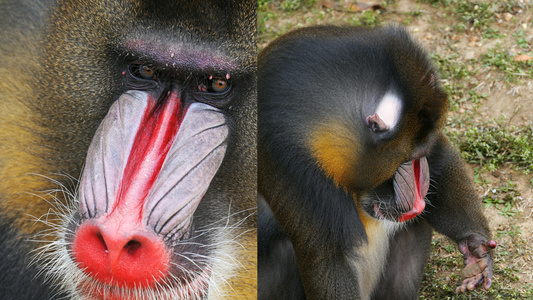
[{"x": 478, "y": 260}]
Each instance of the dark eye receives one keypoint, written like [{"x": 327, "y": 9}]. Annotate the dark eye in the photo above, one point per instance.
[
  {"x": 146, "y": 71},
  {"x": 215, "y": 91},
  {"x": 219, "y": 85},
  {"x": 214, "y": 85},
  {"x": 142, "y": 71}
]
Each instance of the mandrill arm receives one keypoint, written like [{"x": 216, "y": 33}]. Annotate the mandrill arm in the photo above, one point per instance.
[{"x": 455, "y": 210}]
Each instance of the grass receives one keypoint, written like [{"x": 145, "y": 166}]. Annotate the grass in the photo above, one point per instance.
[
  {"x": 504, "y": 198},
  {"x": 495, "y": 143}
]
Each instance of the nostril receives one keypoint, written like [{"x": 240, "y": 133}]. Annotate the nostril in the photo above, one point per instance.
[
  {"x": 132, "y": 247},
  {"x": 120, "y": 256},
  {"x": 99, "y": 239}
]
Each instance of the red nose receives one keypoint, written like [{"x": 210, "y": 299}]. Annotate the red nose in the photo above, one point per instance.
[{"x": 124, "y": 256}]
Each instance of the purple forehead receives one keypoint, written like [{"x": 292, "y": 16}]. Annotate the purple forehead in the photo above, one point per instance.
[{"x": 181, "y": 54}]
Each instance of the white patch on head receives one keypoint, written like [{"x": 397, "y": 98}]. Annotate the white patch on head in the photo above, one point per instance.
[{"x": 389, "y": 109}]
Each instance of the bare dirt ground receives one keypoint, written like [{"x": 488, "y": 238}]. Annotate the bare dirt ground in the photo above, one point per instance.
[{"x": 508, "y": 100}]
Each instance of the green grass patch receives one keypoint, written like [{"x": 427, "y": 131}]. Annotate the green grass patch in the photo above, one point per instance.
[
  {"x": 503, "y": 61},
  {"x": 504, "y": 198},
  {"x": 493, "y": 144}
]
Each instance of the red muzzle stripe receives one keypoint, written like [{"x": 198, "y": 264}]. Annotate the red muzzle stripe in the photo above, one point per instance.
[{"x": 153, "y": 140}]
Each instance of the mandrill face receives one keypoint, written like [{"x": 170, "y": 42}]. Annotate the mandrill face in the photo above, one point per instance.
[
  {"x": 402, "y": 197},
  {"x": 166, "y": 202}
]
